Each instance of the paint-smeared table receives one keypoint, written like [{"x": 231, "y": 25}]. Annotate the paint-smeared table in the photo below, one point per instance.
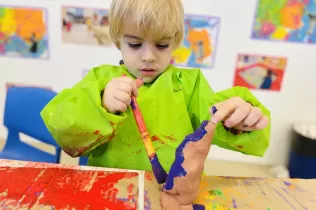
[{"x": 29, "y": 185}]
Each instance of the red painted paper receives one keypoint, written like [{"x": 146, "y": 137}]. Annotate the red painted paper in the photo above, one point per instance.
[{"x": 66, "y": 188}]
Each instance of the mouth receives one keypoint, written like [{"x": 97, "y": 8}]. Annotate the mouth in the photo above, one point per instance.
[{"x": 148, "y": 72}]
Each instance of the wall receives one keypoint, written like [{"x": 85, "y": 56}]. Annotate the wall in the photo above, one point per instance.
[{"x": 293, "y": 103}]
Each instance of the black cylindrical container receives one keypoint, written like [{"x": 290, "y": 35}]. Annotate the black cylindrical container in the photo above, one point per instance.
[{"x": 302, "y": 161}]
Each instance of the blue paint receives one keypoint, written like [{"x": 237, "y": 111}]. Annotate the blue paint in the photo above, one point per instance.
[
  {"x": 176, "y": 169},
  {"x": 198, "y": 207},
  {"x": 133, "y": 105},
  {"x": 158, "y": 170},
  {"x": 214, "y": 110}
]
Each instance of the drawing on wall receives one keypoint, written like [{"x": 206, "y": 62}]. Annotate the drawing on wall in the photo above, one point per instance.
[
  {"x": 23, "y": 32},
  {"x": 85, "y": 26},
  {"x": 200, "y": 41},
  {"x": 9, "y": 84},
  {"x": 286, "y": 20},
  {"x": 260, "y": 72}
]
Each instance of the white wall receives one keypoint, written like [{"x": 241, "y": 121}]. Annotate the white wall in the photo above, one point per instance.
[{"x": 295, "y": 102}]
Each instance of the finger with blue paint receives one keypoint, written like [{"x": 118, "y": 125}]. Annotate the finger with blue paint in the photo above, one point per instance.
[
  {"x": 238, "y": 114},
  {"x": 183, "y": 181}
]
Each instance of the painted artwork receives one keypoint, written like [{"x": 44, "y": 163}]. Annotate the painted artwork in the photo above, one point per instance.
[
  {"x": 200, "y": 41},
  {"x": 85, "y": 26},
  {"x": 286, "y": 20},
  {"x": 260, "y": 72},
  {"x": 45, "y": 186},
  {"x": 151, "y": 192},
  {"x": 23, "y": 32},
  {"x": 8, "y": 85},
  {"x": 247, "y": 193}
]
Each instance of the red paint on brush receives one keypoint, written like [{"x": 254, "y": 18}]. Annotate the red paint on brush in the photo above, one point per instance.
[{"x": 82, "y": 189}]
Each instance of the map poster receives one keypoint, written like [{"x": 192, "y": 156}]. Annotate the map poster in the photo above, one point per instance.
[
  {"x": 200, "y": 41},
  {"x": 260, "y": 72},
  {"x": 85, "y": 26},
  {"x": 285, "y": 20},
  {"x": 23, "y": 32}
]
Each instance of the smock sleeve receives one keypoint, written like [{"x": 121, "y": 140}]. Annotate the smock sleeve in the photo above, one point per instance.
[
  {"x": 202, "y": 98},
  {"x": 76, "y": 118}
]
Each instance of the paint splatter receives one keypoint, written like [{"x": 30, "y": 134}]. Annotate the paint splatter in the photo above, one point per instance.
[
  {"x": 234, "y": 203},
  {"x": 147, "y": 201},
  {"x": 240, "y": 146},
  {"x": 287, "y": 183},
  {"x": 177, "y": 169},
  {"x": 156, "y": 138},
  {"x": 148, "y": 176},
  {"x": 171, "y": 138},
  {"x": 217, "y": 192},
  {"x": 50, "y": 186}
]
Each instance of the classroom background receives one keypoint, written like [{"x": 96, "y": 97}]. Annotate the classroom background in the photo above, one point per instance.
[{"x": 53, "y": 43}]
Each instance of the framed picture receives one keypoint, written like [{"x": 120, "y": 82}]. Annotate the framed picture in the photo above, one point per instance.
[
  {"x": 200, "y": 42},
  {"x": 23, "y": 32},
  {"x": 260, "y": 72},
  {"x": 81, "y": 25},
  {"x": 285, "y": 21}
]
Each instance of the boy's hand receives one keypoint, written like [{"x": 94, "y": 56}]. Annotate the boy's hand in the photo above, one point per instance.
[
  {"x": 239, "y": 114},
  {"x": 117, "y": 94}
]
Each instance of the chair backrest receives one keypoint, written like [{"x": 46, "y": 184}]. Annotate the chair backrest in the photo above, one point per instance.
[{"x": 22, "y": 112}]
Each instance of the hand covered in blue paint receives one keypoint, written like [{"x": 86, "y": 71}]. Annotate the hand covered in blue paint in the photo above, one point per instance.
[
  {"x": 183, "y": 181},
  {"x": 238, "y": 114}
]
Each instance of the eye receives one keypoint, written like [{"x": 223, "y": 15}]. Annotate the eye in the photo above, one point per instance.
[
  {"x": 162, "y": 46},
  {"x": 135, "y": 46}
]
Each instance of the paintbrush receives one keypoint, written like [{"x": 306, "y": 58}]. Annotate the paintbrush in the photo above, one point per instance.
[{"x": 158, "y": 170}]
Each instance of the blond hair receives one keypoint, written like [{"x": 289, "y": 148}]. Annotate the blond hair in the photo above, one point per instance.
[{"x": 159, "y": 18}]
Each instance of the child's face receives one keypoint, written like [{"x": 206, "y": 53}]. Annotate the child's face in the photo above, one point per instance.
[{"x": 144, "y": 56}]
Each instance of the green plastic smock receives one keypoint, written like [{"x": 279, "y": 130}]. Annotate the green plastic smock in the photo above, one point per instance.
[{"x": 173, "y": 106}]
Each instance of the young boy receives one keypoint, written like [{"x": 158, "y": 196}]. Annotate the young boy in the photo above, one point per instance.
[{"x": 94, "y": 117}]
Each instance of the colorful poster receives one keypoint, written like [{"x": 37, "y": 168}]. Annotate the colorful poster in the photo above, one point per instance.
[
  {"x": 286, "y": 20},
  {"x": 85, "y": 26},
  {"x": 8, "y": 85},
  {"x": 23, "y": 32},
  {"x": 200, "y": 41},
  {"x": 260, "y": 72}
]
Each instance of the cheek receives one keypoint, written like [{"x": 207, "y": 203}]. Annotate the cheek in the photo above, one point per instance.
[
  {"x": 166, "y": 55},
  {"x": 127, "y": 53}
]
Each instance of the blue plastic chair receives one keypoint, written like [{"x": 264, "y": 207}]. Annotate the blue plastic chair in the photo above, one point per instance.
[
  {"x": 22, "y": 115},
  {"x": 83, "y": 160}
]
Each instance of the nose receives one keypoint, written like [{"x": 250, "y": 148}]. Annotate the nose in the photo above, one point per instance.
[{"x": 148, "y": 54}]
